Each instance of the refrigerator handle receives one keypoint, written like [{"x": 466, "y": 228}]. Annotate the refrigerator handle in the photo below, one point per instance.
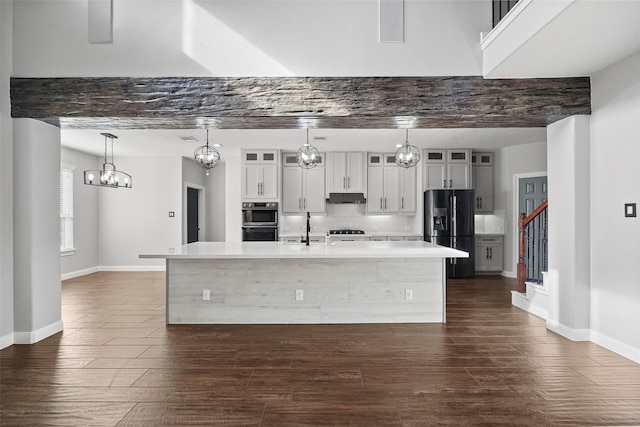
[{"x": 454, "y": 215}]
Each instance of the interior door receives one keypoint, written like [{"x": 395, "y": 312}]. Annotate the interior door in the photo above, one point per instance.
[
  {"x": 192, "y": 215},
  {"x": 532, "y": 192}
]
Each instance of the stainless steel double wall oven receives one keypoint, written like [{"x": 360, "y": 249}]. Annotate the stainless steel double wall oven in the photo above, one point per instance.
[{"x": 259, "y": 221}]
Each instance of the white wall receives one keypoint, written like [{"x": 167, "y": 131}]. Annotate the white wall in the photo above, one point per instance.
[
  {"x": 134, "y": 221},
  {"x": 233, "y": 193},
  {"x": 6, "y": 179},
  {"x": 568, "y": 143},
  {"x": 215, "y": 214},
  {"x": 510, "y": 161},
  {"x": 85, "y": 217},
  {"x": 615, "y": 180},
  {"x": 36, "y": 244},
  {"x": 237, "y": 38}
]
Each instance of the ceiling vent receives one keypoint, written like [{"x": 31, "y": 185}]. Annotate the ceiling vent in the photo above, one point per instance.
[{"x": 189, "y": 138}]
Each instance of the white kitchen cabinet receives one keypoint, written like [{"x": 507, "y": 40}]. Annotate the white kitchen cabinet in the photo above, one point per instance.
[
  {"x": 260, "y": 156},
  {"x": 260, "y": 171},
  {"x": 489, "y": 253},
  {"x": 303, "y": 190},
  {"x": 482, "y": 166},
  {"x": 447, "y": 168},
  {"x": 390, "y": 188},
  {"x": 345, "y": 173}
]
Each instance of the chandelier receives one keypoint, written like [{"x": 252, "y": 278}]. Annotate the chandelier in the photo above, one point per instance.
[
  {"x": 307, "y": 155},
  {"x": 207, "y": 157},
  {"x": 109, "y": 176},
  {"x": 407, "y": 156}
]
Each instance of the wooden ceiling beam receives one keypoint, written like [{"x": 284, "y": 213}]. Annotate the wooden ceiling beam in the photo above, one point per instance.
[{"x": 298, "y": 102}]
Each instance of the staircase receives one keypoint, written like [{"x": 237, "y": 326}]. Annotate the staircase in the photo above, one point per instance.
[{"x": 531, "y": 290}]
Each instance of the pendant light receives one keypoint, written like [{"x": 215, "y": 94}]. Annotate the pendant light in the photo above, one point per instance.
[
  {"x": 207, "y": 157},
  {"x": 307, "y": 155},
  {"x": 407, "y": 156},
  {"x": 109, "y": 176}
]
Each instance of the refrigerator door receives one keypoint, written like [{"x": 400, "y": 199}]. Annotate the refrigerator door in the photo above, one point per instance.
[
  {"x": 437, "y": 214},
  {"x": 462, "y": 212},
  {"x": 462, "y": 267}
]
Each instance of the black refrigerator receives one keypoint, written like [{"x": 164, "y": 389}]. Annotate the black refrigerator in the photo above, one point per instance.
[{"x": 448, "y": 221}]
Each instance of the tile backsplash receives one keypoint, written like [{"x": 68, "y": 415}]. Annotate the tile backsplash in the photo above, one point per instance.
[
  {"x": 490, "y": 223},
  {"x": 351, "y": 216}
]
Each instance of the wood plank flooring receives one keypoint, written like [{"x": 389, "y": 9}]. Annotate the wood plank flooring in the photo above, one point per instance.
[{"x": 118, "y": 364}]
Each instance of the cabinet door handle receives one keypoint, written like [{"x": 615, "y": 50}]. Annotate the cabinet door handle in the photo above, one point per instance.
[
  {"x": 348, "y": 182},
  {"x": 380, "y": 202},
  {"x": 487, "y": 253},
  {"x": 490, "y": 253},
  {"x": 444, "y": 183},
  {"x": 344, "y": 182},
  {"x": 480, "y": 201},
  {"x": 450, "y": 183},
  {"x": 402, "y": 203}
]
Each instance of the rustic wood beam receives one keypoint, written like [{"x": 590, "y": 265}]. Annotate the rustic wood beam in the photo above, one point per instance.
[{"x": 298, "y": 102}]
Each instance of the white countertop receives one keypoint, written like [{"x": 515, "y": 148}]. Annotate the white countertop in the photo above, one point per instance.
[
  {"x": 374, "y": 234},
  {"x": 365, "y": 249}
]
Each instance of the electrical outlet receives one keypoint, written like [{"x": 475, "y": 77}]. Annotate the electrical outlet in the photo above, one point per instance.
[
  {"x": 408, "y": 294},
  {"x": 299, "y": 295},
  {"x": 206, "y": 295}
]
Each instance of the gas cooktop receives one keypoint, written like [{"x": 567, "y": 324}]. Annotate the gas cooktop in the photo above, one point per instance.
[{"x": 346, "y": 231}]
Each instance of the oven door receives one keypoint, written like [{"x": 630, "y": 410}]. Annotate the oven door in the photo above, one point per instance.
[
  {"x": 257, "y": 217},
  {"x": 259, "y": 234}
]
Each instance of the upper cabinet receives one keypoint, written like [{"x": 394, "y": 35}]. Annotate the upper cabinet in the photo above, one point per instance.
[
  {"x": 390, "y": 188},
  {"x": 302, "y": 189},
  {"x": 345, "y": 173},
  {"x": 260, "y": 171},
  {"x": 483, "y": 181},
  {"x": 447, "y": 168}
]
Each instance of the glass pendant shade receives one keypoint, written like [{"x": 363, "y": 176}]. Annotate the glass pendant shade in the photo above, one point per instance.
[
  {"x": 308, "y": 156},
  {"x": 109, "y": 176},
  {"x": 407, "y": 156},
  {"x": 207, "y": 157}
]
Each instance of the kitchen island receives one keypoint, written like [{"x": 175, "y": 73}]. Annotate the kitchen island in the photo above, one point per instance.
[{"x": 282, "y": 283}]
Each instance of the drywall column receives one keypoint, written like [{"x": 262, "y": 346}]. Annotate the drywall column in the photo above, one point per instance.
[
  {"x": 6, "y": 178},
  {"x": 568, "y": 144},
  {"x": 36, "y": 231},
  {"x": 233, "y": 196}
]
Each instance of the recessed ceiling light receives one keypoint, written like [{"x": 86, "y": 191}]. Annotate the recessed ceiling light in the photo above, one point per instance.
[
  {"x": 399, "y": 145},
  {"x": 217, "y": 145}
]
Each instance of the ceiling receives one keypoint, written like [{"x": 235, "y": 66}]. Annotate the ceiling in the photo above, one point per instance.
[{"x": 170, "y": 143}]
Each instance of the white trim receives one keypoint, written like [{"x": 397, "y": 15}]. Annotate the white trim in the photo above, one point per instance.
[
  {"x": 78, "y": 273},
  {"x": 67, "y": 252},
  {"x": 132, "y": 268},
  {"x": 567, "y": 332},
  {"x": 509, "y": 274},
  {"x": 516, "y": 201},
  {"x": 523, "y": 303},
  {"x": 38, "y": 335},
  {"x": 504, "y": 23},
  {"x": 616, "y": 346},
  {"x": 201, "y": 210},
  {"x": 7, "y": 340}
]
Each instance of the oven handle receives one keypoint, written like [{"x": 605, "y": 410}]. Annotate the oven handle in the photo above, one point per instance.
[{"x": 270, "y": 225}]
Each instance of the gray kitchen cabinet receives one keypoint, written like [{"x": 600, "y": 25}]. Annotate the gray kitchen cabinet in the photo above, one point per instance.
[
  {"x": 447, "y": 168},
  {"x": 302, "y": 189},
  {"x": 482, "y": 167},
  {"x": 345, "y": 172},
  {"x": 489, "y": 253}
]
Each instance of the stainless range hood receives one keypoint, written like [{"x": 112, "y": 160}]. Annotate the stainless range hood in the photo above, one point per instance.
[{"x": 338, "y": 198}]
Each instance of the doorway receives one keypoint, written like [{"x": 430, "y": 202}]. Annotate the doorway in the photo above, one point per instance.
[
  {"x": 194, "y": 215},
  {"x": 532, "y": 191}
]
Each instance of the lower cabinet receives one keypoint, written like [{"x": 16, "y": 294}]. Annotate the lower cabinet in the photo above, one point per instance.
[{"x": 489, "y": 253}]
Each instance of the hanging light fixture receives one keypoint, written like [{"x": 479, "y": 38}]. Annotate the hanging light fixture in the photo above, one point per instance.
[
  {"x": 307, "y": 155},
  {"x": 207, "y": 157},
  {"x": 109, "y": 176},
  {"x": 407, "y": 155}
]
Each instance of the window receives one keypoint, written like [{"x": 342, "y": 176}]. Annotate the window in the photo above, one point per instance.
[{"x": 66, "y": 209}]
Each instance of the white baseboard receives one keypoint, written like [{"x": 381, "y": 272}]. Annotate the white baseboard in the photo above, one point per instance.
[
  {"x": 7, "y": 340},
  {"x": 523, "y": 303},
  {"x": 616, "y": 346},
  {"x": 79, "y": 273},
  {"x": 132, "y": 268},
  {"x": 569, "y": 333},
  {"x": 509, "y": 274},
  {"x": 38, "y": 335}
]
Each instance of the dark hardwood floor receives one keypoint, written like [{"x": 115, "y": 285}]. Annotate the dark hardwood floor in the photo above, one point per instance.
[{"x": 117, "y": 364}]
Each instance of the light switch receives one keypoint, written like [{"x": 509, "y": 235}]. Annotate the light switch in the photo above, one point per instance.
[
  {"x": 172, "y": 214},
  {"x": 630, "y": 210}
]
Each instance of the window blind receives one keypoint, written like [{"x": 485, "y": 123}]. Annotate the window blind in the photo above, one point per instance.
[{"x": 66, "y": 207}]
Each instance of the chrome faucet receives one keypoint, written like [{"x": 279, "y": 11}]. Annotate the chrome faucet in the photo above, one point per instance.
[{"x": 306, "y": 241}]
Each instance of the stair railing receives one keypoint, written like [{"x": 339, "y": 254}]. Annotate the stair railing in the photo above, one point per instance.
[{"x": 532, "y": 248}]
